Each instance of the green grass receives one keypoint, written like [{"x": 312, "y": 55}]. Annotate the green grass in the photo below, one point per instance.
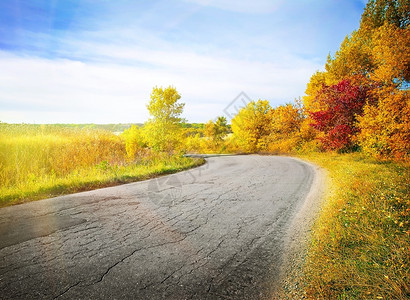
[{"x": 360, "y": 245}]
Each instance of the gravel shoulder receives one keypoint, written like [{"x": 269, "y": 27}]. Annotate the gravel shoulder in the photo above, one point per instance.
[{"x": 291, "y": 283}]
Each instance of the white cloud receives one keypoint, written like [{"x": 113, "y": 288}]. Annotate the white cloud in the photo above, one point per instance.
[
  {"x": 41, "y": 90},
  {"x": 117, "y": 53}
]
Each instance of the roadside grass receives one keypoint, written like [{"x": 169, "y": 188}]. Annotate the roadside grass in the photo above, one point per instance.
[
  {"x": 360, "y": 242},
  {"x": 40, "y": 162}
]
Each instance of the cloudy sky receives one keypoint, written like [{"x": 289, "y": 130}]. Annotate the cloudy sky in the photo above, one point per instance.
[{"x": 96, "y": 61}]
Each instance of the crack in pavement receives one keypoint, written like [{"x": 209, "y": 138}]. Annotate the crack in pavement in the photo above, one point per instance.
[{"x": 223, "y": 235}]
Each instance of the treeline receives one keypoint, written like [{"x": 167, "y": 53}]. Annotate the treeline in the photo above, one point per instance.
[{"x": 359, "y": 103}]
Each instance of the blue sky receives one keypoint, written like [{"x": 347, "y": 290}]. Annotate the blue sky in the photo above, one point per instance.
[{"x": 96, "y": 61}]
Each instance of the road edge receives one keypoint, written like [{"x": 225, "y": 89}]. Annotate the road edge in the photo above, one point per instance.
[{"x": 291, "y": 282}]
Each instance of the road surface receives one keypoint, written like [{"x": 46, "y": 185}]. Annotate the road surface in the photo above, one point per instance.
[{"x": 214, "y": 232}]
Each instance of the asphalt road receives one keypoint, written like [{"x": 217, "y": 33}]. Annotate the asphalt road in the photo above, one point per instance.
[{"x": 214, "y": 232}]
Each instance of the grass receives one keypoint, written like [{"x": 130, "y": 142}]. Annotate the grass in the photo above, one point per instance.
[
  {"x": 360, "y": 242},
  {"x": 38, "y": 162},
  {"x": 360, "y": 245}
]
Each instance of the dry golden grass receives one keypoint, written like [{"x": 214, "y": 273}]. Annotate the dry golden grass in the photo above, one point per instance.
[
  {"x": 44, "y": 161},
  {"x": 360, "y": 246}
]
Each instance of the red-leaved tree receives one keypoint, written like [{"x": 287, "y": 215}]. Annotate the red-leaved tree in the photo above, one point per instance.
[{"x": 341, "y": 103}]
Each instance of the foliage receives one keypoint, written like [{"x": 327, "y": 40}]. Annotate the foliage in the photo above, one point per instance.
[
  {"x": 163, "y": 129},
  {"x": 194, "y": 144},
  {"x": 344, "y": 102},
  {"x": 286, "y": 120},
  {"x": 317, "y": 81},
  {"x": 215, "y": 132},
  {"x": 375, "y": 58},
  {"x": 391, "y": 55},
  {"x": 285, "y": 133},
  {"x": 252, "y": 125},
  {"x": 135, "y": 141},
  {"x": 385, "y": 126},
  {"x": 164, "y": 105},
  {"x": 379, "y": 12},
  {"x": 353, "y": 57}
]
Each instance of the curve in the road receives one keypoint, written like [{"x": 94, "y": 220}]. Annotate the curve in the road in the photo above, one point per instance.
[{"x": 214, "y": 232}]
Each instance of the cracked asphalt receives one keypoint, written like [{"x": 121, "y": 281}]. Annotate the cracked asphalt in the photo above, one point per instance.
[{"x": 214, "y": 232}]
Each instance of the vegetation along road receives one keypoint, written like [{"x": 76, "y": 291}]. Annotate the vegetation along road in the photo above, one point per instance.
[{"x": 220, "y": 231}]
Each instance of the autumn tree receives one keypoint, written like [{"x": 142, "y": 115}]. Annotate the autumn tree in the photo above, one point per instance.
[
  {"x": 391, "y": 54},
  {"x": 344, "y": 102},
  {"x": 379, "y": 42},
  {"x": 385, "y": 127},
  {"x": 286, "y": 120},
  {"x": 379, "y": 12},
  {"x": 354, "y": 57},
  {"x": 315, "y": 84},
  {"x": 164, "y": 127},
  {"x": 376, "y": 59},
  {"x": 252, "y": 125},
  {"x": 216, "y": 131},
  {"x": 358, "y": 53},
  {"x": 285, "y": 128}
]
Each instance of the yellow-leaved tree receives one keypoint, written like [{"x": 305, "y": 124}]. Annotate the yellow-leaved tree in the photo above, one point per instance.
[
  {"x": 353, "y": 58},
  {"x": 376, "y": 56},
  {"x": 215, "y": 132},
  {"x": 252, "y": 125},
  {"x": 163, "y": 131},
  {"x": 391, "y": 54},
  {"x": 285, "y": 128},
  {"x": 385, "y": 123},
  {"x": 315, "y": 84},
  {"x": 385, "y": 127}
]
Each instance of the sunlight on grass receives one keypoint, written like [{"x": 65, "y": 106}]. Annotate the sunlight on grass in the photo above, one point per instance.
[
  {"x": 44, "y": 161},
  {"x": 360, "y": 247}
]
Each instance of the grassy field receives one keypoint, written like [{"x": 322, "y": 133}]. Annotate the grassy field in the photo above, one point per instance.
[
  {"x": 360, "y": 246},
  {"x": 44, "y": 161}
]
